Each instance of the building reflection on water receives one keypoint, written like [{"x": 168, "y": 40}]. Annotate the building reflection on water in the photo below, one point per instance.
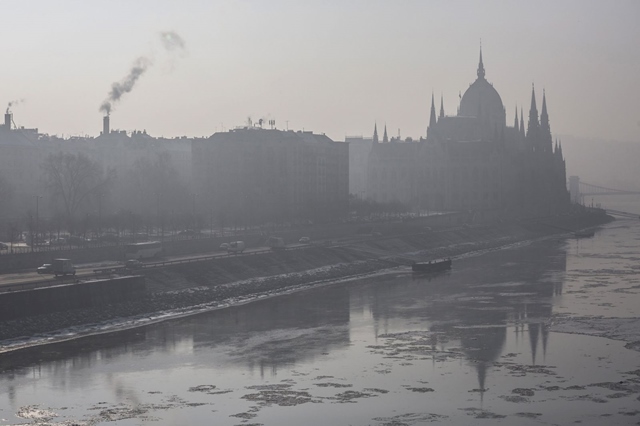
[{"x": 473, "y": 307}]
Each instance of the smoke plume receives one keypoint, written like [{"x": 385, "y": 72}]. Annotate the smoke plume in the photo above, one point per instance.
[
  {"x": 126, "y": 85},
  {"x": 171, "y": 41},
  {"x": 13, "y": 103}
]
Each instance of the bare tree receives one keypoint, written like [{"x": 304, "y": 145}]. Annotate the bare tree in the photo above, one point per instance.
[
  {"x": 72, "y": 179},
  {"x": 151, "y": 187}
]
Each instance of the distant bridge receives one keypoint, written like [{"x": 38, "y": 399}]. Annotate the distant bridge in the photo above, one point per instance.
[
  {"x": 579, "y": 190},
  {"x": 587, "y": 189}
]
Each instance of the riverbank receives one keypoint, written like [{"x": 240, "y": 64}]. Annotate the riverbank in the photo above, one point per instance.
[{"x": 192, "y": 288}]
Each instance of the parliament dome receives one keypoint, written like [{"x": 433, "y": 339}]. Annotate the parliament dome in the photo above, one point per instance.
[{"x": 482, "y": 100}]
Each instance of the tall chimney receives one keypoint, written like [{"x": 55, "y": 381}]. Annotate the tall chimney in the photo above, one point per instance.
[
  {"x": 7, "y": 120},
  {"x": 105, "y": 125}
]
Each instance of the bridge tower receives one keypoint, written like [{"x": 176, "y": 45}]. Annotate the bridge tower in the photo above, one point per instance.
[{"x": 574, "y": 189}]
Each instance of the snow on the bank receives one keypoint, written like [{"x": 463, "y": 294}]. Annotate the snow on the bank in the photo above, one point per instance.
[
  {"x": 625, "y": 329},
  {"x": 305, "y": 280}
]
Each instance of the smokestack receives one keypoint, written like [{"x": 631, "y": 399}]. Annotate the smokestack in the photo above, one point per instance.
[
  {"x": 105, "y": 125},
  {"x": 7, "y": 120}
]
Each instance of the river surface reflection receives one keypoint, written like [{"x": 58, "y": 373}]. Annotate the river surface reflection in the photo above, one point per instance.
[{"x": 397, "y": 348}]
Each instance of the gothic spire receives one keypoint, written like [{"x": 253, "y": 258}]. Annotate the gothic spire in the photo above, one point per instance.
[
  {"x": 480, "y": 65},
  {"x": 375, "y": 133},
  {"x": 521, "y": 122},
  {"x": 543, "y": 115},
  {"x": 534, "y": 108},
  {"x": 533, "y": 130},
  {"x": 515, "y": 121},
  {"x": 432, "y": 119},
  {"x": 385, "y": 138},
  {"x": 560, "y": 148},
  {"x": 441, "y": 107},
  {"x": 545, "y": 129}
]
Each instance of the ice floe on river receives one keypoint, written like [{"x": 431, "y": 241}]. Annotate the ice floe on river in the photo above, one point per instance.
[{"x": 625, "y": 329}]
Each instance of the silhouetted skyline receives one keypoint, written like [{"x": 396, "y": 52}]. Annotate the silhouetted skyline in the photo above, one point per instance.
[{"x": 328, "y": 67}]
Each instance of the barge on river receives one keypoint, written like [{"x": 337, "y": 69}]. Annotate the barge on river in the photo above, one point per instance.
[{"x": 432, "y": 266}]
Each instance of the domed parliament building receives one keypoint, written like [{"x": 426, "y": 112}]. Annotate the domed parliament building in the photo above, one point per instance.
[{"x": 473, "y": 160}]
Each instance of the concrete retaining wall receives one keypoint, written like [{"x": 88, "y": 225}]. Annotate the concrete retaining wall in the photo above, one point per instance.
[{"x": 70, "y": 296}]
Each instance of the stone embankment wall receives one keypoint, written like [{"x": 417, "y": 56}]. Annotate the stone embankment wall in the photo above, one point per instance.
[
  {"x": 65, "y": 297},
  {"x": 227, "y": 278}
]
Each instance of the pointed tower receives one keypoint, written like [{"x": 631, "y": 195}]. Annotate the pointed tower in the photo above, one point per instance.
[
  {"x": 533, "y": 129},
  {"x": 546, "y": 141},
  {"x": 375, "y": 133},
  {"x": 441, "y": 107},
  {"x": 385, "y": 138},
  {"x": 521, "y": 123},
  {"x": 515, "y": 121},
  {"x": 432, "y": 118},
  {"x": 481, "y": 66},
  {"x": 560, "y": 149}
]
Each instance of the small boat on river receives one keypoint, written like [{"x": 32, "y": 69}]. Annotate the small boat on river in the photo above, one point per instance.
[{"x": 432, "y": 266}]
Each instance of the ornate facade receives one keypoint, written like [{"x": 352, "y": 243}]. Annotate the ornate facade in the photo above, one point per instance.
[{"x": 473, "y": 160}]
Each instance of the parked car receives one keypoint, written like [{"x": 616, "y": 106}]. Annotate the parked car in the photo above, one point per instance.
[
  {"x": 133, "y": 264},
  {"x": 47, "y": 268},
  {"x": 141, "y": 237},
  {"x": 4, "y": 246},
  {"x": 58, "y": 242},
  {"x": 304, "y": 239},
  {"x": 224, "y": 246}
]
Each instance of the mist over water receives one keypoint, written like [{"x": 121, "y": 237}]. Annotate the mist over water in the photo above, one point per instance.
[{"x": 477, "y": 342}]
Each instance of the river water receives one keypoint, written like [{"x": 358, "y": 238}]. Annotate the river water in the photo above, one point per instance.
[{"x": 474, "y": 343}]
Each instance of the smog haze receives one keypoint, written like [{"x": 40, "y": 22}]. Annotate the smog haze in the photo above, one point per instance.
[{"x": 334, "y": 67}]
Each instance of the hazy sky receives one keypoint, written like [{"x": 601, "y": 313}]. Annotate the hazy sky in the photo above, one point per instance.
[{"x": 328, "y": 66}]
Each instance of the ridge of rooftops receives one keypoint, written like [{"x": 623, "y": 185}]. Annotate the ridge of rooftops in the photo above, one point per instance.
[{"x": 248, "y": 134}]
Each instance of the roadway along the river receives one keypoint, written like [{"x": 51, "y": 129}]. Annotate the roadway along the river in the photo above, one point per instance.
[{"x": 25, "y": 280}]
